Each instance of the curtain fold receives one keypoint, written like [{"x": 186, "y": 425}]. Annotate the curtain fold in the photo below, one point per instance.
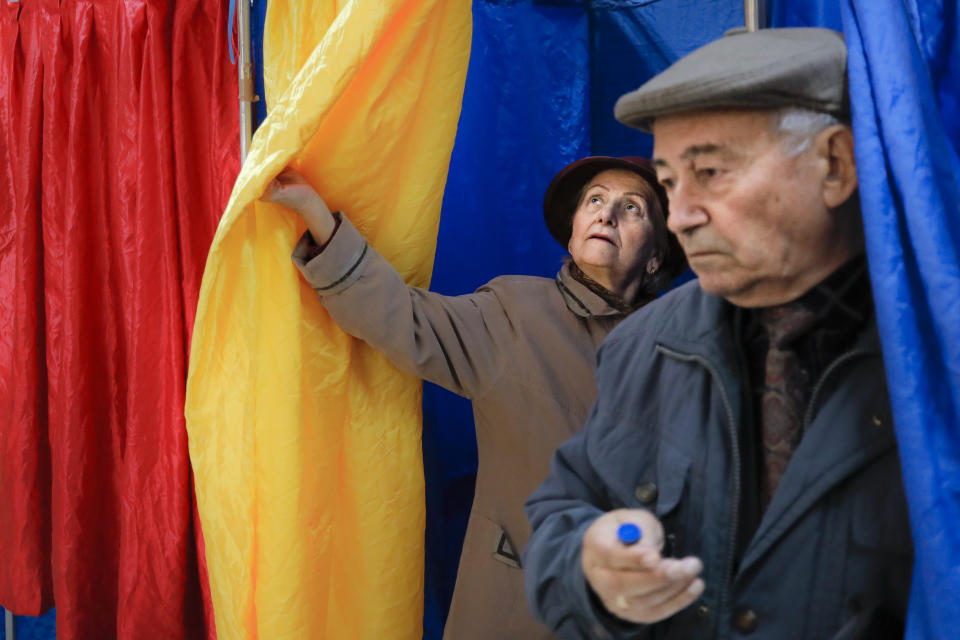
[
  {"x": 117, "y": 159},
  {"x": 903, "y": 86},
  {"x": 26, "y": 584},
  {"x": 305, "y": 443}
]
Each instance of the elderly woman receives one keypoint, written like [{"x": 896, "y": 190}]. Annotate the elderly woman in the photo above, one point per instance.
[{"x": 520, "y": 347}]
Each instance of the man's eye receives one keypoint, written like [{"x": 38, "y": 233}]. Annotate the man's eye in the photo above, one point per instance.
[{"x": 666, "y": 183}]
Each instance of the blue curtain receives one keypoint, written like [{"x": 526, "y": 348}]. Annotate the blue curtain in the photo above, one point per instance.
[
  {"x": 258, "y": 13},
  {"x": 525, "y": 114},
  {"x": 32, "y": 628},
  {"x": 904, "y": 61}
]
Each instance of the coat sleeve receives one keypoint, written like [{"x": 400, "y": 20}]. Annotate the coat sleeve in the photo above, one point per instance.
[
  {"x": 560, "y": 511},
  {"x": 453, "y": 341}
]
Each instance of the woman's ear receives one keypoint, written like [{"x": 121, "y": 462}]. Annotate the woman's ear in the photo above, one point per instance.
[
  {"x": 653, "y": 264},
  {"x": 834, "y": 145}
]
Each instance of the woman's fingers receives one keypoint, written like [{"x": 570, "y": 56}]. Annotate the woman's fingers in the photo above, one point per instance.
[
  {"x": 290, "y": 189},
  {"x": 289, "y": 175}
]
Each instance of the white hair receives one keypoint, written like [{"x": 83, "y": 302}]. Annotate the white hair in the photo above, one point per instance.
[{"x": 797, "y": 127}]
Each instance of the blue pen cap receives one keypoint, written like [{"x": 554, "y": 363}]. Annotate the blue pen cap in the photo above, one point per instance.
[{"x": 629, "y": 533}]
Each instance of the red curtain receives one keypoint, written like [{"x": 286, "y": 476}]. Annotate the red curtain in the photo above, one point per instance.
[{"x": 118, "y": 150}]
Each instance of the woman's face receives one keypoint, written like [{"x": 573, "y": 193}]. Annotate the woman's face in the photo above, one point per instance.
[{"x": 613, "y": 238}]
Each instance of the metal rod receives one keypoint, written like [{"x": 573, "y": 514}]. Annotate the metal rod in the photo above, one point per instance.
[
  {"x": 755, "y": 14},
  {"x": 247, "y": 96},
  {"x": 11, "y": 628}
]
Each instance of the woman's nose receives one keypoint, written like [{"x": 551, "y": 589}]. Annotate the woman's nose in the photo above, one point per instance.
[{"x": 606, "y": 214}]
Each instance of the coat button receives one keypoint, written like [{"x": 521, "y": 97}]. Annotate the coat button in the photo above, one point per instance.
[
  {"x": 646, "y": 493},
  {"x": 702, "y": 611},
  {"x": 877, "y": 420},
  {"x": 744, "y": 620}
]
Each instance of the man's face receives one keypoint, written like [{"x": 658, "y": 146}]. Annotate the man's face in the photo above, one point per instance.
[{"x": 750, "y": 216}]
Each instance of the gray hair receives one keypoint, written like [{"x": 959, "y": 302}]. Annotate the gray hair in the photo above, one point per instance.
[{"x": 796, "y": 127}]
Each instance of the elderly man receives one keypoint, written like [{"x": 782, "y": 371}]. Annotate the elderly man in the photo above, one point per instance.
[{"x": 742, "y": 420}]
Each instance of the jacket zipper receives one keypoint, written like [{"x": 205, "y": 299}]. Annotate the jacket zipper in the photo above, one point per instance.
[
  {"x": 735, "y": 446},
  {"x": 849, "y": 355}
]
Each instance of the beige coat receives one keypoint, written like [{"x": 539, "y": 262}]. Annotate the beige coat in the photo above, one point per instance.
[{"x": 522, "y": 349}]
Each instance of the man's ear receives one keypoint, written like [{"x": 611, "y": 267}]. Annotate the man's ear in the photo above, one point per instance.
[{"x": 834, "y": 145}]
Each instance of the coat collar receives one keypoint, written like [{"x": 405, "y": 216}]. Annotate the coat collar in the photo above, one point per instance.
[{"x": 580, "y": 299}]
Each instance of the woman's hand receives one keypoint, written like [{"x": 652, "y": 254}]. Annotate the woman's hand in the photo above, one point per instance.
[{"x": 292, "y": 190}]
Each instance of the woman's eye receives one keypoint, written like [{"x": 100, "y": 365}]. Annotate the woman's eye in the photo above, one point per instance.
[
  {"x": 708, "y": 172},
  {"x": 632, "y": 208},
  {"x": 595, "y": 200}
]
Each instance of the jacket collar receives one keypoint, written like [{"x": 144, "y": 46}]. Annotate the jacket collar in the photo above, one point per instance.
[
  {"x": 702, "y": 325},
  {"x": 580, "y": 299},
  {"x": 836, "y": 444}
]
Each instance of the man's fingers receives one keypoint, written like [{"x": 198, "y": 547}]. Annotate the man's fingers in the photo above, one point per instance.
[
  {"x": 606, "y": 550},
  {"x": 669, "y": 591},
  {"x": 680, "y": 601},
  {"x": 650, "y": 567},
  {"x": 641, "y": 610},
  {"x": 626, "y": 559},
  {"x": 660, "y": 582},
  {"x": 630, "y": 576},
  {"x": 678, "y": 569}
]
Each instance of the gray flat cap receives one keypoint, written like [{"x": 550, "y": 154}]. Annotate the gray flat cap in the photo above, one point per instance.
[{"x": 766, "y": 69}]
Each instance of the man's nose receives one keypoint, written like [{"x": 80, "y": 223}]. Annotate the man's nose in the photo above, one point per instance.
[{"x": 686, "y": 211}]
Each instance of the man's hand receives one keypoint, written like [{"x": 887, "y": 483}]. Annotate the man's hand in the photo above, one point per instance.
[
  {"x": 634, "y": 582},
  {"x": 292, "y": 190}
]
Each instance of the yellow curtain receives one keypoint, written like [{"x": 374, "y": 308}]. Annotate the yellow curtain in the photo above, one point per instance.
[{"x": 305, "y": 443}]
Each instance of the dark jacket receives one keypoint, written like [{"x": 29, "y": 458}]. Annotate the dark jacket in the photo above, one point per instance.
[
  {"x": 832, "y": 555},
  {"x": 522, "y": 349}
]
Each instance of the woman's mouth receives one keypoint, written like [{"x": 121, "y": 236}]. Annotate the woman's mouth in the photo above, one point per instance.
[{"x": 597, "y": 236}]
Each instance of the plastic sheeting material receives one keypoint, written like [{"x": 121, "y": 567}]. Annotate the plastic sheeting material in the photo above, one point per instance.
[
  {"x": 118, "y": 146},
  {"x": 904, "y": 81},
  {"x": 305, "y": 442}
]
